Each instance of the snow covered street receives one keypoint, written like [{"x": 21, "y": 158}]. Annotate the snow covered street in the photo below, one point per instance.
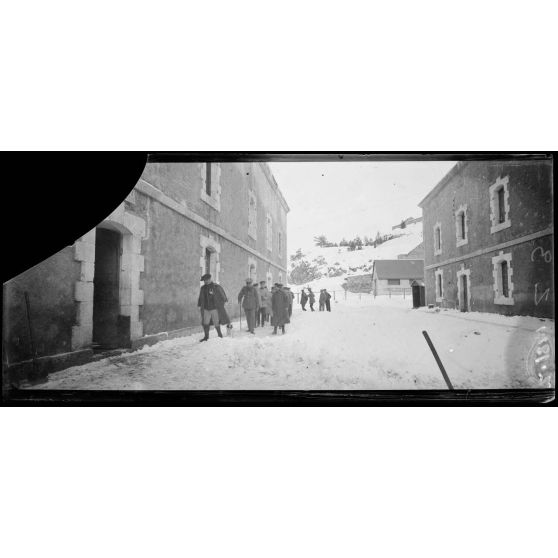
[{"x": 367, "y": 344}]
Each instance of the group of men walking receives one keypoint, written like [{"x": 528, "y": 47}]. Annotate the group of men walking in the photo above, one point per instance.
[
  {"x": 260, "y": 306},
  {"x": 310, "y": 298}
]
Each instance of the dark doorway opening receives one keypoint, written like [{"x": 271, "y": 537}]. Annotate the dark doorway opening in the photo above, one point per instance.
[
  {"x": 106, "y": 284},
  {"x": 464, "y": 294}
]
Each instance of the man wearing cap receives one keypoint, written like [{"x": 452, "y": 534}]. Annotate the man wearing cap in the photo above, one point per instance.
[
  {"x": 280, "y": 303},
  {"x": 250, "y": 299},
  {"x": 211, "y": 303},
  {"x": 265, "y": 300}
]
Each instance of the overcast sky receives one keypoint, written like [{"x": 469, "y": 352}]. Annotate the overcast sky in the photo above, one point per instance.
[{"x": 345, "y": 199}]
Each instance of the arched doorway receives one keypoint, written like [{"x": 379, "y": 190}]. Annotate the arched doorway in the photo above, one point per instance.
[{"x": 106, "y": 288}]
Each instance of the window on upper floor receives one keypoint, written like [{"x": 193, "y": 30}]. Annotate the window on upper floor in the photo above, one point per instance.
[
  {"x": 279, "y": 242},
  {"x": 437, "y": 239},
  {"x": 208, "y": 179},
  {"x": 252, "y": 215},
  {"x": 499, "y": 205},
  {"x": 461, "y": 227},
  {"x": 269, "y": 233},
  {"x": 211, "y": 184},
  {"x": 394, "y": 281}
]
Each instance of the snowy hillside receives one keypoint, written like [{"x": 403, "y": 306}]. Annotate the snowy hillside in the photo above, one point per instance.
[{"x": 359, "y": 261}]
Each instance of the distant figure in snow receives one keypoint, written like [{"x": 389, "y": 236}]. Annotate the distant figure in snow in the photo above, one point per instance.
[
  {"x": 290, "y": 296},
  {"x": 280, "y": 304},
  {"x": 326, "y": 300},
  {"x": 265, "y": 299},
  {"x": 273, "y": 289},
  {"x": 321, "y": 300},
  {"x": 250, "y": 299},
  {"x": 212, "y": 306},
  {"x": 311, "y": 298},
  {"x": 303, "y": 299}
]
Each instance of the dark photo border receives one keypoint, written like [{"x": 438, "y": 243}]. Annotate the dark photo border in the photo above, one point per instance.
[{"x": 65, "y": 194}]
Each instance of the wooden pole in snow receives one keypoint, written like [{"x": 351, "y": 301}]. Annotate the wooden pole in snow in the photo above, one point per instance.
[{"x": 442, "y": 369}]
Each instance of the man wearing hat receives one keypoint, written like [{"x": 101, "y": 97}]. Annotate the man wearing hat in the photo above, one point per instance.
[
  {"x": 265, "y": 300},
  {"x": 280, "y": 303},
  {"x": 250, "y": 299},
  {"x": 212, "y": 305}
]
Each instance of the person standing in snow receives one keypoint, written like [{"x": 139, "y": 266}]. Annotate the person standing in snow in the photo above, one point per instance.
[
  {"x": 265, "y": 299},
  {"x": 303, "y": 299},
  {"x": 290, "y": 297},
  {"x": 212, "y": 306},
  {"x": 280, "y": 304},
  {"x": 321, "y": 300},
  {"x": 273, "y": 289},
  {"x": 250, "y": 299},
  {"x": 327, "y": 299},
  {"x": 311, "y": 299}
]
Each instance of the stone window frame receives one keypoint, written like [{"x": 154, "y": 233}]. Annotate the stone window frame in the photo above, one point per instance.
[
  {"x": 499, "y": 298},
  {"x": 461, "y": 273},
  {"x": 269, "y": 279},
  {"x": 269, "y": 232},
  {"x": 437, "y": 227},
  {"x": 214, "y": 200},
  {"x": 210, "y": 242},
  {"x": 439, "y": 295},
  {"x": 252, "y": 264},
  {"x": 500, "y": 183},
  {"x": 252, "y": 215},
  {"x": 459, "y": 240}
]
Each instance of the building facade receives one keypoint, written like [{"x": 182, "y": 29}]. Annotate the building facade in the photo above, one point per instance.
[
  {"x": 135, "y": 278},
  {"x": 488, "y": 238},
  {"x": 396, "y": 276}
]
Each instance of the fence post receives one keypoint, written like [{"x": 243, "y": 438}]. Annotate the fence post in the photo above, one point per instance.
[
  {"x": 389, "y": 291},
  {"x": 404, "y": 289}
]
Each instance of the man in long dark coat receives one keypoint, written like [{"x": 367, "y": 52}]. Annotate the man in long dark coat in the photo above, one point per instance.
[
  {"x": 250, "y": 298},
  {"x": 303, "y": 299},
  {"x": 322, "y": 300},
  {"x": 280, "y": 304},
  {"x": 311, "y": 299},
  {"x": 212, "y": 306},
  {"x": 327, "y": 299}
]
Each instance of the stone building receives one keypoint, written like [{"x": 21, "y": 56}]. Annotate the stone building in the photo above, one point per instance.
[
  {"x": 135, "y": 278},
  {"x": 488, "y": 238}
]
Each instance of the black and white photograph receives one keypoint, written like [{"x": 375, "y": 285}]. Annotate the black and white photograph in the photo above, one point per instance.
[
  {"x": 278, "y": 279},
  {"x": 337, "y": 274}
]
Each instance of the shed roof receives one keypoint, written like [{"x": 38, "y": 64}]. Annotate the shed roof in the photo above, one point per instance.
[{"x": 399, "y": 269}]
